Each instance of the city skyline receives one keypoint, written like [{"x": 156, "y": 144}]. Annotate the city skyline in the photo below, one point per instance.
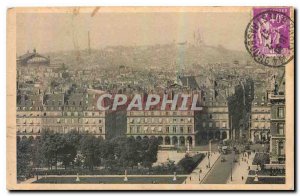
[{"x": 70, "y": 32}]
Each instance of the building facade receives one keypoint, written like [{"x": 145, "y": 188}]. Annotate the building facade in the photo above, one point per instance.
[
  {"x": 57, "y": 113},
  {"x": 32, "y": 58},
  {"x": 170, "y": 127},
  {"x": 278, "y": 130},
  {"x": 260, "y": 122},
  {"x": 214, "y": 123}
]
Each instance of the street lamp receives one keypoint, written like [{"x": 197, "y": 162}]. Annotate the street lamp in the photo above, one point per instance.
[
  {"x": 209, "y": 153},
  {"x": 200, "y": 171},
  {"x": 209, "y": 146},
  {"x": 231, "y": 171}
]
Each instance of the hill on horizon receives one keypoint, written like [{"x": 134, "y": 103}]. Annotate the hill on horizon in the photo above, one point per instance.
[{"x": 153, "y": 55}]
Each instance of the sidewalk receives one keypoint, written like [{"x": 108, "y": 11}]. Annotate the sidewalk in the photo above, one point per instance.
[
  {"x": 240, "y": 170},
  {"x": 194, "y": 177},
  {"x": 28, "y": 181}
]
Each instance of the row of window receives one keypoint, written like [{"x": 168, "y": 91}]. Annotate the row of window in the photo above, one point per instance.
[
  {"x": 215, "y": 124},
  {"x": 263, "y": 104},
  {"x": 279, "y": 114},
  {"x": 60, "y": 103},
  {"x": 261, "y": 125},
  {"x": 55, "y": 108},
  {"x": 160, "y": 120},
  {"x": 168, "y": 129},
  {"x": 261, "y": 116},
  {"x": 87, "y": 114},
  {"x": 214, "y": 116},
  {"x": 218, "y": 109},
  {"x": 261, "y": 110},
  {"x": 59, "y": 121},
  {"x": 160, "y": 113},
  {"x": 37, "y": 130}
]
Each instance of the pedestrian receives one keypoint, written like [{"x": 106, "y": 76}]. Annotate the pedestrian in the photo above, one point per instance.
[
  {"x": 242, "y": 177},
  {"x": 190, "y": 178}
]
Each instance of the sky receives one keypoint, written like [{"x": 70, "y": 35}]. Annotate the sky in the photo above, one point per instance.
[{"x": 50, "y": 32}]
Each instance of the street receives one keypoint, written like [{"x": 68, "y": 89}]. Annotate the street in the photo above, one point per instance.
[
  {"x": 221, "y": 170},
  {"x": 205, "y": 146}
]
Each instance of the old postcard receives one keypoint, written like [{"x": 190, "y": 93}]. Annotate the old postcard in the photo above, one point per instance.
[{"x": 150, "y": 98}]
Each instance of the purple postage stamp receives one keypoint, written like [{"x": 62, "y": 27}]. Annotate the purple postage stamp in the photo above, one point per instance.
[{"x": 269, "y": 36}]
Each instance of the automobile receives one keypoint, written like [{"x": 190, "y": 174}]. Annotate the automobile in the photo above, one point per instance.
[{"x": 225, "y": 149}]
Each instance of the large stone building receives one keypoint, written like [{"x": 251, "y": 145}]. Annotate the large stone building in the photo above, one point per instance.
[
  {"x": 214, "y": 123},
  {"x": 278, "y": 130},
  {"x": 260, "y": 121},
  {"x": 170, "y": 127},
  {"x": 60, "y": 113},
  {"x": 32, "y": 58}
]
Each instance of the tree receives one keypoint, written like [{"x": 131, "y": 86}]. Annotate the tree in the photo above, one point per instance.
[
  {"x": 67, "y": 154},
  {"x": 90, "y": 150},
  {"x": 108, "y": 154},
  {"x": 73, "y": 138},
  {"x": 78, "y": 160},
  {"x": 23, "y": 158},
  {"x": 187, "y": 164},
  {"x": 69, "y": 150},
  {"x": 148, "y": 154},
  {"x": 51, "y": 145},
  {"x": 129, "y": 153},
  {"x": 36, "y": 156}
]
